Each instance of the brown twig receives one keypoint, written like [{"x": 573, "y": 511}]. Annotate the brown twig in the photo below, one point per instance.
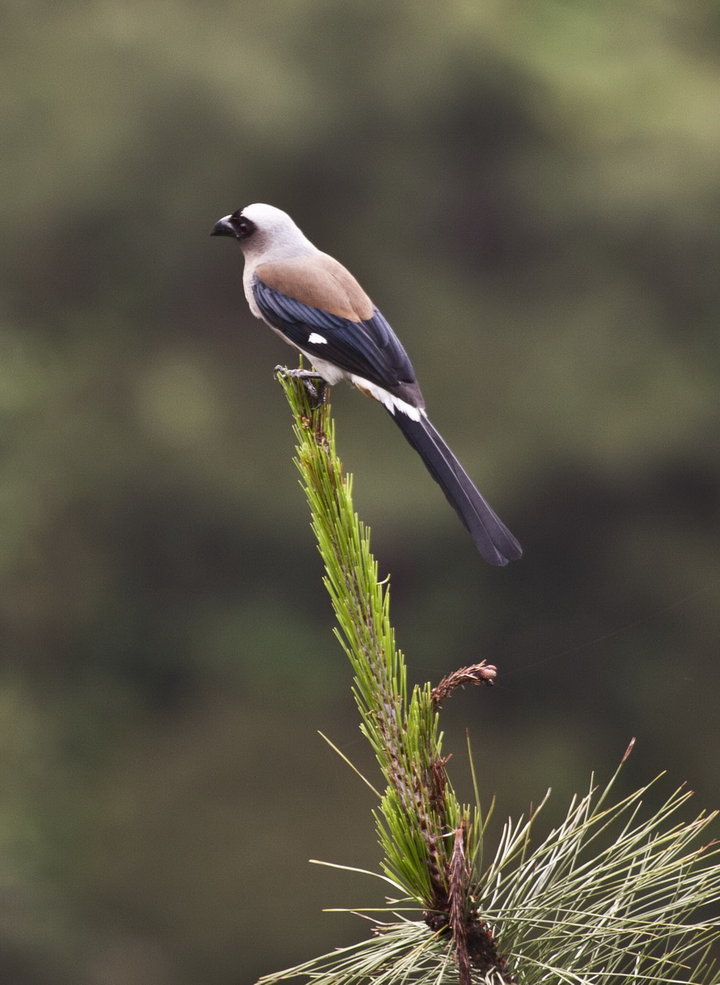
[{"x": 482, "y": 673}]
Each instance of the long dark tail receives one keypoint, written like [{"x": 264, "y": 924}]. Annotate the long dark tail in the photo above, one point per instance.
[{"x": 492, "y": 538}]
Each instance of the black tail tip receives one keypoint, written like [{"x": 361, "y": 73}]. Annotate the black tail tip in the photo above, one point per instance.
[{"x": 499, "y": 551}]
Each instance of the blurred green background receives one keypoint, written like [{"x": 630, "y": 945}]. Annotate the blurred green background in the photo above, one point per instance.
[{"x": 531, "y": 193}]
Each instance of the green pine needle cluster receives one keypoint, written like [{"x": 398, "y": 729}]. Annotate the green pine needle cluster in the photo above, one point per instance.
[
  {"x": 418, "y": 808},
  {"x": 614, "y": 894}
]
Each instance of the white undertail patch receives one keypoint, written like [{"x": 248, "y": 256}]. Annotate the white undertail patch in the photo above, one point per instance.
[
  {"x": 333, "y": 374},
  {"x": 388, "y": 400}
]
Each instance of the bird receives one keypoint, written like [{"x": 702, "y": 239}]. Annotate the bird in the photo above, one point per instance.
[{"x": 317, "y": 306}]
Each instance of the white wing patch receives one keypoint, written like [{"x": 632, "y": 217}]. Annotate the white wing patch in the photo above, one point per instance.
[{"x": 317, "y": 339}]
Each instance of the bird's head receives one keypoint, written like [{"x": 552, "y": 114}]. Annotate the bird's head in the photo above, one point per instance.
[{"x": 263, "y": 232}]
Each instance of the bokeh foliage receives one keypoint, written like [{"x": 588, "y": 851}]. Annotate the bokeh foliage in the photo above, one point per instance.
[{"x": 530, "y": 192}]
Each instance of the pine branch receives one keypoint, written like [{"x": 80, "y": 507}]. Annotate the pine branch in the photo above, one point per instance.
[
  {"x": 607, "y": 897},
  {"x": 419, "y": 816}
]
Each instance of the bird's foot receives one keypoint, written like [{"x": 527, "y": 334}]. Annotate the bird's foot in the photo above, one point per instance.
[{"x": 314, "y": 384}]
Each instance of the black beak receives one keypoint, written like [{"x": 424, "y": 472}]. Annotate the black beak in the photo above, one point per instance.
[{"x": 224, "y": 227}]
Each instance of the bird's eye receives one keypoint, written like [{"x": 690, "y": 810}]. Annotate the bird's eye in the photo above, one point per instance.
[{"x": 245, "y": 227}]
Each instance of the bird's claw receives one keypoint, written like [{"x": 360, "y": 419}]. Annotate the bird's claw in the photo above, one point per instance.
[{"x": 314, "y": 384}]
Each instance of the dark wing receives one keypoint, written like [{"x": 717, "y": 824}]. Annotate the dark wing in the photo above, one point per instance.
[{"x": 366, "y": 348}]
